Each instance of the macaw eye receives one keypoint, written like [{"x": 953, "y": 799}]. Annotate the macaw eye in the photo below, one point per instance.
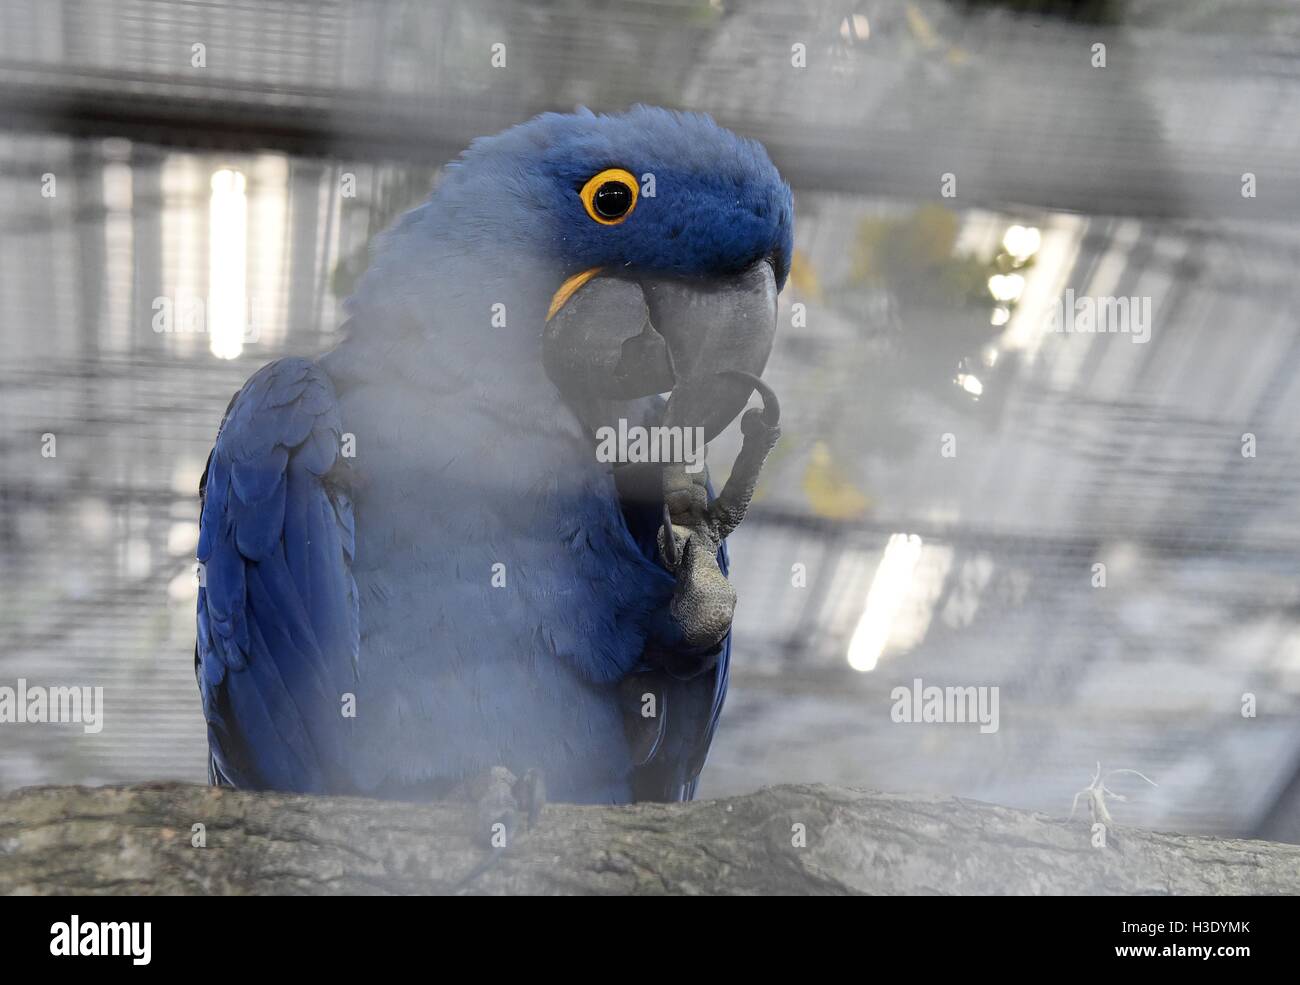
[{"x": 610, "y": 196}]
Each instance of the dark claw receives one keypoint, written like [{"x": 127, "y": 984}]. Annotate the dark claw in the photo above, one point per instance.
[
  {"x": 761, "y": 433},
  {"x": 771, "y": 406},
  {"x": 492, "y": 799},
  {"x": 530, "y": 794},
  {"x": 670, "y": 542}
]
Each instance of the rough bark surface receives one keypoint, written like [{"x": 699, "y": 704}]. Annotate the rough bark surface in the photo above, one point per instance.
[{"x": 138, "y": 840}]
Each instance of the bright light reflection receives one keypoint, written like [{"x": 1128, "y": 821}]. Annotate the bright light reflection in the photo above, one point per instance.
[
  {"x": 889, "y": 588},
  {"x": 1022, "y": 242},
  {"x": 1006, "y": 287},
  {"x": 859, "y": 29},
  {"x": 227, "y": 264}
]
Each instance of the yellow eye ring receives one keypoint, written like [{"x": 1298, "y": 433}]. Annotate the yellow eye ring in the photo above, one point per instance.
[{"x": 610, "y": 196}]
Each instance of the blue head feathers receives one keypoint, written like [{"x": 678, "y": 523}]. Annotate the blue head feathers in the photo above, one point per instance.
[
  {"x": 506, "y": 225},
  {"x": 709, "y": 202}
]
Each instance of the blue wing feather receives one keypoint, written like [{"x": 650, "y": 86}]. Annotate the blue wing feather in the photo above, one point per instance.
[{"x": 278, "y": 632}]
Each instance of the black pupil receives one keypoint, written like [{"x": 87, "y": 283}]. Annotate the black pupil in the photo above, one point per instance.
[{"x": 612, "y": 200}]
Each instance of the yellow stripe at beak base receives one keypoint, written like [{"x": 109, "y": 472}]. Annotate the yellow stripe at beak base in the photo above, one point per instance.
[{"x": 568, "y": 289}]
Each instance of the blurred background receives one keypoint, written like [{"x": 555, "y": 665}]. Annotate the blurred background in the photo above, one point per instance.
[{"x": 953, "y": 470}]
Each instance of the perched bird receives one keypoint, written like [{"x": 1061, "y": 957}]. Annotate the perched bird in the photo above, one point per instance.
[{"x": 415, "y": 570}]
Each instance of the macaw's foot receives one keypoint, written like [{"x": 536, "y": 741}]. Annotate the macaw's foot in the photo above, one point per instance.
[
  {"x": 693, "y": 530},
  {"x": 498, "y": 800}
]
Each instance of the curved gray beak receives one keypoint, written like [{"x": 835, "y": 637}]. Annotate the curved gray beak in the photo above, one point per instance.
[{"x": 615, "y": 336}]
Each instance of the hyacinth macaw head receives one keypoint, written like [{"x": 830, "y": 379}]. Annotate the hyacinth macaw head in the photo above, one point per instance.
[{"x": 655, "y": 242}]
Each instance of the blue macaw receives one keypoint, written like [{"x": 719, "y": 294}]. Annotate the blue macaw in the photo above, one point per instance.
[{"x": 414, "y": 569}]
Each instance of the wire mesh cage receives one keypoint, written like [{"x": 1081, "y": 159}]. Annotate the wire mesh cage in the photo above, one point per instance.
[{"x": 976, "y": 485}]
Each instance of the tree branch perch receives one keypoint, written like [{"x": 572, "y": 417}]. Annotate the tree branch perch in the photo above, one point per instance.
[{"x": 138, "y": 840}]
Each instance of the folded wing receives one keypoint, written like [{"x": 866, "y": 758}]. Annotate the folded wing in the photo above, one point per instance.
[{"x": 278, "y": 631}]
